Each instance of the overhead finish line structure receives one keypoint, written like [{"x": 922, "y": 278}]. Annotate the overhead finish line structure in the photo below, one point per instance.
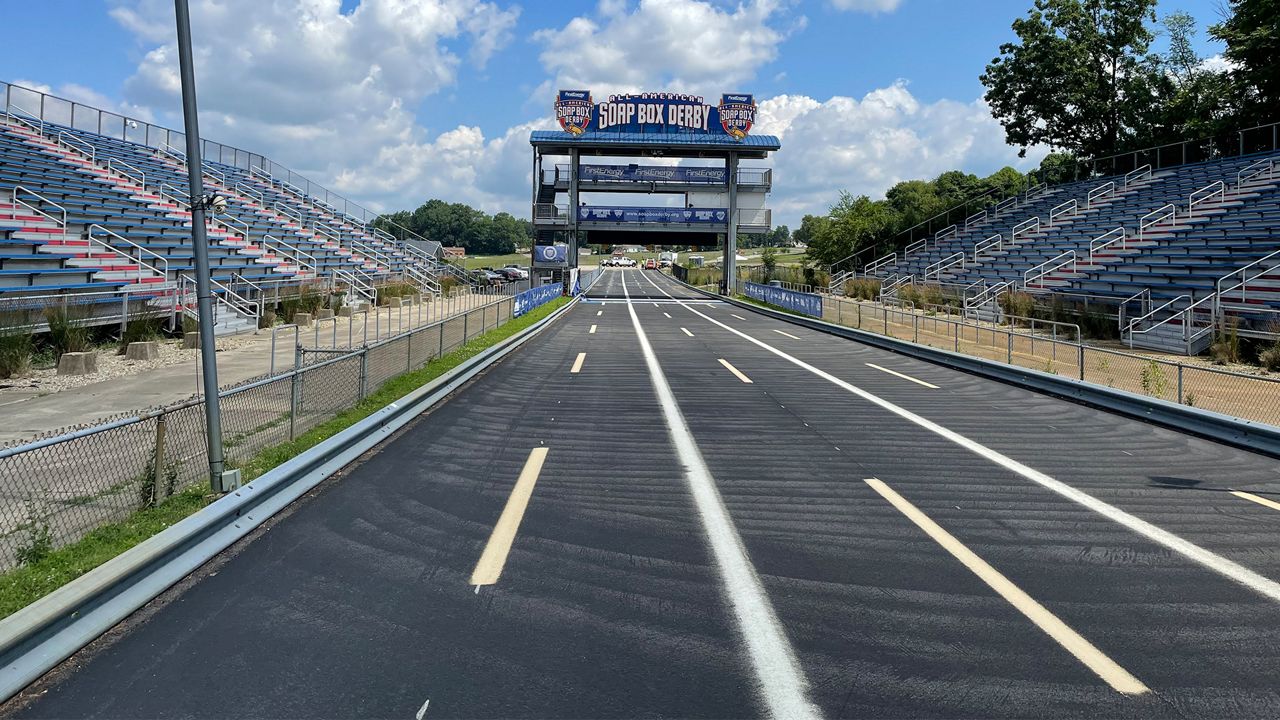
[{"x": 720, "y": 198}]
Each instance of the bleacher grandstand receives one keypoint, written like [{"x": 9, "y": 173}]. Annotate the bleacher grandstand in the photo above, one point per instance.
[
  {"x": 1175, "y": 252},
  {"x": 98, "y": 220}
]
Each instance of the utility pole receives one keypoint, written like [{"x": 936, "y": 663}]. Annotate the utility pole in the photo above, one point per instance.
[{"x": 200, "y": 243}]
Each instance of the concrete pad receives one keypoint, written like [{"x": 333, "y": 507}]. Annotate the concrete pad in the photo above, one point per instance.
[
  {"x": 393, "y": 302},
  {"x": 346, "y": 311},
  {"x": 149, "y": 350},
  {"x": 78, "y": 363},
  {"x": 324, "y": 313}
]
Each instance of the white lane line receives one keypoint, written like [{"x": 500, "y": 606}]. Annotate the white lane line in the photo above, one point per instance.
[
  {"x": 592, "y": 331},
  {"x": 422, "y": 711},
  {"x": 686, "y": 332},
  {"x": 738, "y": 316},
  {"x": 734, "y": 370},
  {"x": 1262, "y": 585},
  {"x": 599, "y": 313},
  {"x": 494, "y": 557},
  {"x": 1260, "y": 500},
  {"x": 1071, "y": 641},
  {"x": 577, "y": 364},
  {"x": 783, "y": 687},
  {"x": 656, "y": 305},
  {"x": 793, "y": 337},
  {"x": 904, "y": 377},
  {"x": 667, "y": 314}
]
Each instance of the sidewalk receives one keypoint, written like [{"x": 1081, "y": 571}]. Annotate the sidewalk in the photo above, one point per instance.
[{"x": 28, "y": 414}]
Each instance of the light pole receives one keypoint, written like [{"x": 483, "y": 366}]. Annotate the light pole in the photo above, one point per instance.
[{"x": 200, "y": 243}]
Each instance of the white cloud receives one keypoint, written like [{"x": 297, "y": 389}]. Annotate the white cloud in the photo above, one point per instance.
[
  {"x": 865, "y": 146},
  {"x": 867, "y": 6},
  {"x": 680, "y": 45},
  {"x": 1216, "y": 64}
]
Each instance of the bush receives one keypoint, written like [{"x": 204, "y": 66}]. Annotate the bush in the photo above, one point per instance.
[
  {"x": 266, "y": 319},
  {"x": 862, "y": 288},
  {"x": 66, "y": 333},
  {"x": 1018, "y": 304},
  {"x": 17, "y": 346},
  {"x": 1270, "y": 358},
  {"x": 931, "y": 294},
  {"x": 139, "y": 330},
  {"x": 1226, "y": 345}
]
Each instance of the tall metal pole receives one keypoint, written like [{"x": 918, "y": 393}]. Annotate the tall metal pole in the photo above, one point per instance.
[{"x": 200, "y": 242}]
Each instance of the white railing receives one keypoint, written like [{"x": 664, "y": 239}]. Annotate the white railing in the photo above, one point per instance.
[
  {"x": 255, "y": 171},
  {"x": 81, "y": 146},
  {"x": 988, "y": 295},
  {"x": 289, "y": 213},
  {"x": 915, "y": 247},
  {"x": 982, "y": 246},
  {"x": 1005, "y": 204},
  {"x": 1067, "y": 208},
  {"x": 159, "y": 264},
  {"x": 207, "y": 169},
  {"x": 977, "y": 217},
  {"x": 1267, "y": 165},
  {"x": 946, "y": 232},
  {"x": 1195, "y": 320},
  {"x": 1157, "y": 216},
  {"x": 228, "y": 298},
  {"x": 173, "y": 152},
  {"x": 977, "y": 286},
  {"x": 554, "y": 212},
  {"x": 1106, "y": 240},
  {"x": 357, "y": 285},
  {"x": 1036, "y": 189},
  {"x": 15, "y": 195},
  {"x": 123, "y": 168},
  {"x": 232, "y": 224},
  {"x": 1050, "y": 266},
  {"x": 1217, "y": 188},
  {"x": 949, "y": 261},
  {"x": 1103, "y": 190},
  {"x": 379, "y": 257},
  {"x": 1167, "y": 308},
  {"x": 891, "y": 285},
  {"x": 1026, "y": 226},
  {"x": 755, "y": 217},
  {"x": 1242, "y": 277},
  {"x": 873, "y": 267},
  {"x": 423, "y": 280},
  {"x": 1136, "y": 175},
  {"x": 1143, "y": 297},
  {"x": 251, "y": 192},
  {"x": 300, "y": 257},
  {"x": 25, "y": 117}
]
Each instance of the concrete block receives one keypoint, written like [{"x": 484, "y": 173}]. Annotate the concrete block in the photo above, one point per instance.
[
  {"x": 190, "y": 341},
  {"x": 302, "y": 319},
  {"x": 142, "y": 351},
  {"x": 346, "y": 311},
  {"x": 393, "y": 302},
  {"x": 324, "y": 313},
  {"x": 78, "y": 363}
]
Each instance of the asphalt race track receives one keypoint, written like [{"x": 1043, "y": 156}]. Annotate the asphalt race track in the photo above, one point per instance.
[{"x": 732, "y": 516}]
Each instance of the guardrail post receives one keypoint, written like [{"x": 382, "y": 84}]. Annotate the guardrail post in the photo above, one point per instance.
[{"x": 157, "y": 462}]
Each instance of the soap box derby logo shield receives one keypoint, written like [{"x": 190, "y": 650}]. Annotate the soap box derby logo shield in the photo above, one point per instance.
[
  {"x": 737, "y": 114},
  {"x": 574, "y": 110}
]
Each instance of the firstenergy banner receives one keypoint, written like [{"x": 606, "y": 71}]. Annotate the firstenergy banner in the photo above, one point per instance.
[{"x": 804, "y": 303}]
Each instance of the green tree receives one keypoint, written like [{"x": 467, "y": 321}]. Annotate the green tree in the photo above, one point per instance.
[
  {"x": 1078, "y": 77},
  {"x": 769, "y": 261},
  {"x": 1252, "y": 35}
]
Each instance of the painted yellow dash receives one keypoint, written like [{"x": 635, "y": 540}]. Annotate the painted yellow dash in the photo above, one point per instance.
[
  {"x": 1260, "y": 500},
  {"x": 1084, "y": 651},
  {"x": 577, "y": 364},
  {"x": 793, "y": 337},
  {"x": 904, "y": 377},
  {"x": 592, "y": 331},
  {"x": 495, "y": 552},
  {"x": 686, "y": 332},
  {"x": 735, "y": 371}
]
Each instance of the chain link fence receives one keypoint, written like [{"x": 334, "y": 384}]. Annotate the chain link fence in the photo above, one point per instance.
[
  {"x": 1048, "y": 348},
  {"x": 55, "y": 490}
]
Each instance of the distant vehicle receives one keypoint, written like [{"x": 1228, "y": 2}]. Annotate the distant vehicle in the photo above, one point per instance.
[
  {"x": 650, "y": 264},
  {"x": 516, "y": 272},
  {"x": 486, "y": 276},
  {"x": 628, "y": 262}
]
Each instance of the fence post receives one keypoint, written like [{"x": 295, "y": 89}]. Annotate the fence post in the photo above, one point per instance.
[
  {"x": 295, "y": 391},
  {"x": 915, "y": 327},
  {"x": 1180, "y": 383},
  {"x": 441, "y": 324},
  {"x": 465, "y": 315},
  {"x": 364, "y": 372},
  {"x": 157, "y": 462},
  {"x": 1008, "y": 335},
  {"x": 1080, "y": 353},
  {"x": 124, "y": 313},
  {"x": 408, "y": 353}
]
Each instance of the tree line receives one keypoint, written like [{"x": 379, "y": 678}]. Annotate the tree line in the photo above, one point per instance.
[
  {"x": 460, "y": 225},
  {"x": 1081, "y": 79}
]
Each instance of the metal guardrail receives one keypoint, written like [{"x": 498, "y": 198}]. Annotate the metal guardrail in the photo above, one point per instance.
[
  {"x": 1106, "y": 241},
  {"x": 1069, "y": 207},
  {"x": 1137, "y": 174},
  {"x": 1055, "y": 264},
  {"x": 981, "y": 247},
  {"x": 1217, "y": 189},
  {"x": 1155, "y": 217},
  {"x": 1104, "y": 190},
  {"x": 1030, "y": 225}
]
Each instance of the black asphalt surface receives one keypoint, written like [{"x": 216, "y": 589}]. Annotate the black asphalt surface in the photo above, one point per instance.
[{"x": 358, "y": 603}]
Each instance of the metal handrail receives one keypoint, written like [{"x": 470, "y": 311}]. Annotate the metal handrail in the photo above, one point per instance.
[
  {"x": 1030, "y": 224},
  {"x": 271, "y": 241},
  {"x": 936, "y": 269},
  {"x": 35, "y": 122},
  {"x": 1243, "y": 272},
  {"x": 247, "y": 189},
  {"x": 964, "y": 292},
  {"x": 160, "y": 259},
  {"x": 1103, "y": 190},
  {"x": 1035, "y": 189},
  {"x": 255, "y": 170},
  {"x": 62, "y": 224},
  {"x": 1138, "y": 320},
  {"x": 1004, "y": 204},
  {"x": 979, "y": 216},
  {"x": 173, "y": 152},
  {"x": 1050, "y": 266},
  {"x": 207, "y": 169},
  {"x": 358, "y": 286},
  {"x": 232, "y": 224},
  {"x": 1106, "y": 240},
  {"x": 1070, "y": 206},
  {"x": 948, "y": 231},
  {"x": 990, "y": 294},
  {"x": 1156, "y": 217},
  {"x": 241, "y": 304},
  {"x": 1134, "y": 175},
  {"x": 1217, "y": 187},
  {"x": 1144, "y": 295},
  {"x": 288, "y": 213},
  {"x": 128, "y": 171},
  {"x": 75, "y": 143},
  {"x": 872, "y": 267},
  {"x": 995, "y": 241},
  {"x": 915, "y": 247},
  {"x": 1254, "y": 170}
]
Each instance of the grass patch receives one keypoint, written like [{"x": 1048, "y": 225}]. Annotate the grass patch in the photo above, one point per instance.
[{"x": 56, "y": 567}]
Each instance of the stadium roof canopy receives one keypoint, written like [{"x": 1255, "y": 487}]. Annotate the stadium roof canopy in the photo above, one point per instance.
[{"x": 636, "y": 144}]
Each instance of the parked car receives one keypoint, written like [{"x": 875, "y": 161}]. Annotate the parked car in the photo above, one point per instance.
[
  {"x": 516, "y": 272},
  {"x": 486, "y": 276},
  {"x": 650, "y": 264}
]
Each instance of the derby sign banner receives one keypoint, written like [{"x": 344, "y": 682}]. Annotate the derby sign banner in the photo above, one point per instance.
[
  {"x": 655, "y": 113},
  {"x": 804, "y": 303}
]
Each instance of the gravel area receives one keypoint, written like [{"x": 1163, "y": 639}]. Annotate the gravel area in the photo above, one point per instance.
[{"x": 111, "y": 366}]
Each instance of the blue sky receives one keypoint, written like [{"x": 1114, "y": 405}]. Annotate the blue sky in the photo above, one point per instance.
[{"x": 457, "y": 83}]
